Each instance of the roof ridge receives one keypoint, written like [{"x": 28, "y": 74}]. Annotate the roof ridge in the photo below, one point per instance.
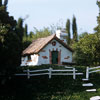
[{"x": 37, "y": 45}]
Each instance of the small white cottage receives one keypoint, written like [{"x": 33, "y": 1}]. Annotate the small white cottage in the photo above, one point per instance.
[{"x": 49, "y": 50}]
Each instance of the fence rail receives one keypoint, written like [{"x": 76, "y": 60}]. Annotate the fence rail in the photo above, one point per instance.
[
  {"x": 50, "y": 72},
  {"x": 91, "y": 70},
  {"x": 36, "y": 70}
]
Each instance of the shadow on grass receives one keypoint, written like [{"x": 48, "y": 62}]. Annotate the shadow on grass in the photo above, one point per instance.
[{"x": 43, "y": 88}]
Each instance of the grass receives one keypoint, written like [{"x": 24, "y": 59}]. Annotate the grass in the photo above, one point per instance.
[{"x": 56, "y": 88}]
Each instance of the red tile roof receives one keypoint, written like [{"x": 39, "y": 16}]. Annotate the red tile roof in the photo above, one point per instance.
[{"x": 37, "y": 45}]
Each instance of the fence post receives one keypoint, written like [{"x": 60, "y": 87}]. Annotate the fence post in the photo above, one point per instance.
[
  {"x": 50, "y": 72},
  {"x": 74, "y": 75},
  {"x": 28, "y": 73},
  {"x": 87, "y": 73}
]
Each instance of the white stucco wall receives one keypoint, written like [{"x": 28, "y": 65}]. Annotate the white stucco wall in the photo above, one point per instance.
[
  {"x": 33, "y": 61},
  {"x": 37, "y": 59},
  {"x": 24, "y": 61},
  {"x": 64, "y": 53}
]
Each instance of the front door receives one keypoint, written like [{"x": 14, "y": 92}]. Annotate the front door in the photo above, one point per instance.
[{"x": 54, "y": 57}]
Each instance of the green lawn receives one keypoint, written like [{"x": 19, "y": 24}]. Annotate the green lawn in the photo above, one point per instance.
[{"x": 56, "y": 88}]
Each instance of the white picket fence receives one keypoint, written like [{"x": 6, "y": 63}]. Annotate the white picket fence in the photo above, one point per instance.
[
  {"x": 91, "y": 70},
  {"x": 50, "y": 72}
]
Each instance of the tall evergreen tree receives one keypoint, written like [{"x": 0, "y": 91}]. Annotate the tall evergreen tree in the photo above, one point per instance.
[
  {"x": 25, "y": 35},
  {"x": 68, "y": 31},
  {"x": 5, "y": 2},
  {"x": 31, "y": 35},
  {"x": 0, "y": 2},
  {"x": 74, "y": 29},
  {"x": 26, "y": 30},
  {"x": 20, "y": 29},
  {"x": 26, "y": 39}
]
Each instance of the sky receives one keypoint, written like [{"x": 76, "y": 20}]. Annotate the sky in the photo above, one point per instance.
[{"x": 44, "y": 13}]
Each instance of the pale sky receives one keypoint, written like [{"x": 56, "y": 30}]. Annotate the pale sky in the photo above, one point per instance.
[{"x": 43, "y": 13}]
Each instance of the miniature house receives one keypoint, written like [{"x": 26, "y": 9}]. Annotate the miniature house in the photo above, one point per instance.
[{"x": 49, "y": 50}]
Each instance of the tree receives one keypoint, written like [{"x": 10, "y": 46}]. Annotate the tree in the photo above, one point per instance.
[
  {"x": 33, "y": 35},
  {"x": 20, "y": 29},
  {"x": 26, "y": 30},
  {"x": 82, "y": 35},
  {"x": 9, "y": 43},
  {"x": 39, "y": 33},
  {"x": 25, "y": 35},
  {"x": 5, "y": 3},
  {"x": 0, "y": 2},
  {"x": 68, "y": 31},
  {"x": 97, "y": 28},
  {"x": 86, "y": 52},
  {"x": 74, "y": 29}
]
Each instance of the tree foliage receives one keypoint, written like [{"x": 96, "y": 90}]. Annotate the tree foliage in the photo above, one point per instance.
[
  {"x": 26, "y": 31},
  {"x": 0, "y": 2},
  {"x": 5, "y": 2},
  {"x": 33, "y": 35},
  {"x": 82, "y": 35},
  {"x": 68, "y": 31},
  {"x": 39, "y": 33},
  {"x": 86, "y": 50},
  {"x": 74, "y": 29},
  {"x": 9, "y": 42},
  {"x": 20, "y": 29}
]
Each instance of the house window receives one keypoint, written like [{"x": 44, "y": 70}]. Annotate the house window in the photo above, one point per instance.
[{"x": 29, "y": 57}]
